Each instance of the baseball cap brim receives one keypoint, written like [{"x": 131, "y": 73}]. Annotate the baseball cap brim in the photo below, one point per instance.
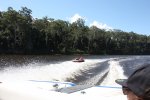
[{"x": 122, "y": 82}]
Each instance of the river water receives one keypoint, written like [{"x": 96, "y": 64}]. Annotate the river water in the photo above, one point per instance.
[{"x": 97, "y": 70}]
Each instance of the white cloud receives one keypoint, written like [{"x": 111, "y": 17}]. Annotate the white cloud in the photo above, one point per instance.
[
  {"x": 76, "y": 17},
  {"x": 101, "y": 25},
  {"x": 94, "y": 23}
]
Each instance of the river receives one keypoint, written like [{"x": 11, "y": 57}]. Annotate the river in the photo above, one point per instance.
[{"x": 97, "y": 70}]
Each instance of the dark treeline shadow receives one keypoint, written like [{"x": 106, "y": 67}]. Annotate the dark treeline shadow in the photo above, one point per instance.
[{"x": 20, "y": 33}]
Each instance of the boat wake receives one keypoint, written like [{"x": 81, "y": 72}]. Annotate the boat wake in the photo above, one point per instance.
[{"x": 100, "y": 74}]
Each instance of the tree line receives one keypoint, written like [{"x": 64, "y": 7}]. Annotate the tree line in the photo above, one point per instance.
[{"x": 20, "y": 33}]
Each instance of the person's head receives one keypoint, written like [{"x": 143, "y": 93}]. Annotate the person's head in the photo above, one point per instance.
[{"x": 137, "y": 86}]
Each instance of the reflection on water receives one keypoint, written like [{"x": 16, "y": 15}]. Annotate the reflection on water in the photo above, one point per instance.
[{"x": 18, "y": 60}]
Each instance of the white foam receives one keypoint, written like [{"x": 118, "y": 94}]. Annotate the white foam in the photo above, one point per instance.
[
  {"x": 115, "y": 72},
  {"x": 16, "y": 87},
  {"x": 58, "y": 71}
]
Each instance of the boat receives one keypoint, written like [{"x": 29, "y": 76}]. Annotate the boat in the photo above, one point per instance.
[
  {"x": 80, "y": 59},
  {"x": 51, "y": 85},
  {"x": 35, "y": 90}
]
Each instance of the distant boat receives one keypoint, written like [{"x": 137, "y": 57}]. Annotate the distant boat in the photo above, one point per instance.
[{"x": 80, "y": 59}]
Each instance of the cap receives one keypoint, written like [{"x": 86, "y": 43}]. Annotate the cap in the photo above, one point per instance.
[
  {"x": 122, "y": 82},
  {"x": 138, "y": 82}
]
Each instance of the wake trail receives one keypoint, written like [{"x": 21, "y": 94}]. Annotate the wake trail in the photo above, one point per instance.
[
  {"x": 60, "y": 71},
  {"x": 115, "y": 72},
  {"x": 91, "y": 76}
]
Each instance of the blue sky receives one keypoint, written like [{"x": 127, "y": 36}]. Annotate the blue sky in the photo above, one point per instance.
[{"x": 126, "y": 15}]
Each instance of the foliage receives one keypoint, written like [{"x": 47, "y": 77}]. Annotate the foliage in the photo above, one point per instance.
[{"x": 21, "y": 33}]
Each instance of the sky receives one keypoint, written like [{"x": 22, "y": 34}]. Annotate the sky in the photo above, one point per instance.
[{"x": 125, "y": 15}]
